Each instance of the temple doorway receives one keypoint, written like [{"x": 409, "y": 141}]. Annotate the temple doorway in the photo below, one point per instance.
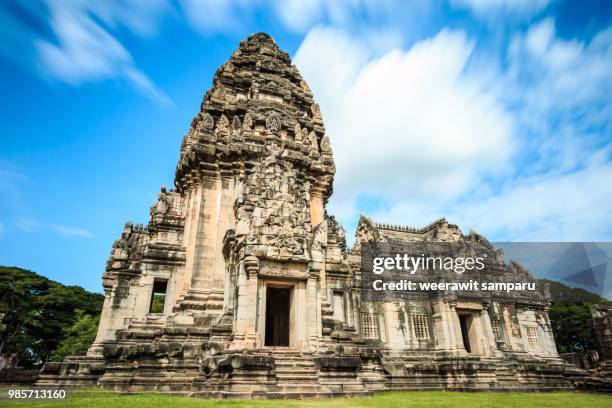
[
  {"x": 278, "y": 305},
  {"x": 465, "y": 331}
]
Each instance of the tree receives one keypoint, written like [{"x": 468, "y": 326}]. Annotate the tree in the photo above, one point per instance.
[
  {"x": 78, "y": 337},
  {"x": 37, "y": 313}
]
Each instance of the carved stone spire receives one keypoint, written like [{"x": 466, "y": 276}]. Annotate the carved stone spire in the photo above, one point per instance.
[{"x": 256, "y": 97}]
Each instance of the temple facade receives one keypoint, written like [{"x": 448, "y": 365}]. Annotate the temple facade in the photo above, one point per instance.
[{"x": 241, "y": 284}]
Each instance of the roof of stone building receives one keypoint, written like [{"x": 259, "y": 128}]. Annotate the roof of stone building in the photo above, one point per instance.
[{"x": 439, "y": 230}]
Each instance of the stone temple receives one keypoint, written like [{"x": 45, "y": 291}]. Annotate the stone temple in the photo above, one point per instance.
[{"x": 242, "y": 286}]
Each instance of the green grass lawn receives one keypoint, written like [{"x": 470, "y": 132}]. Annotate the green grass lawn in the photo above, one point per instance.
[{"x": 385, "y": 400}]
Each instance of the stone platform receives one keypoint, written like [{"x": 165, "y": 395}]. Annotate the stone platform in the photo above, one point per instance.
[{"x": 285, "y": 373}]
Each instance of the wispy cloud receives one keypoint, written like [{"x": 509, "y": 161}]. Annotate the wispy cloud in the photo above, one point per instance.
[
  {"x": 71, "y": 231},
  {"x": 85, "y": 50},
  {"x": 214, "y": 16},
  {"x": 2, "y": 228},
  {"x": 30, "y": 225}
]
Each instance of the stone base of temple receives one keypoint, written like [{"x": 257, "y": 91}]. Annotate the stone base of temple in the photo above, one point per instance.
[
  {"x": 598, "y": 380},
  {"x": 283, "y": 372}
]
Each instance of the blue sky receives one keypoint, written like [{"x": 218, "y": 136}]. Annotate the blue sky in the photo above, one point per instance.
[{"x": 495, "y": 114}]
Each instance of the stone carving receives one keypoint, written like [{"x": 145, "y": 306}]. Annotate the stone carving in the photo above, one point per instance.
[
  {"x": 219, "y": 91},
  {"x": 207, "y": 122},
  {"x": 294, "y": 270},
  {"x": 312, "y": 140},
  {"x": 236, "y": 130},
  {"x": 162, "y": 206},
  {"x": 236, "y": 123},
  {"x": 297, "y": 132},
  {"x": 325, "y": 145},
  {"x": 316, "y": 112},
  {"x": 304, "y": 137},
  {"x": 247, "y": 124},
  {"x": 273, "y": 122},
  {"x": 222, "y": 131}
]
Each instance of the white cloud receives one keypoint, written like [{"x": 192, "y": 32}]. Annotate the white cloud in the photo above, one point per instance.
[
  {"x": 515, "y": 8},
  {"x": 2, "y": 229},
  {"x": 407, "y": 126},
  {"x": 547, "y": 207},
  {"x": 520, "y": 153},
  {"x": 567, "y": 207},
  {"x": 85, "y": 51},
  {"x": 71, "y": 231}
]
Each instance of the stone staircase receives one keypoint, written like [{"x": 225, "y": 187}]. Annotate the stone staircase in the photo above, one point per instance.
[
  {"x": 279, "y": 373},
  {"x": 293, "y": 368}
]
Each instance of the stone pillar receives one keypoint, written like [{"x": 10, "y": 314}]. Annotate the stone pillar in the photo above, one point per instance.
[
  {"x": 317, "y": 210},
  {"x": 298, "y": 317},
  {"x": 455, "y": 326},
  {"x": 192, "y": 214},
  {"x": 450, "y": 327},
  {"x": 509, "y": 327},
  {"x": 488, "y": 332},
  {"x": 395, "y": 338},
  {"x": 206, "y": 238},
  {"x": 225, "y": 220},
  {"x": 314, "y": 329},
  {"x": 247, "y": 311}
]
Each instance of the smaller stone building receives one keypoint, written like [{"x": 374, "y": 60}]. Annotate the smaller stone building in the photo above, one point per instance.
[{"x": 602, "y": 329}]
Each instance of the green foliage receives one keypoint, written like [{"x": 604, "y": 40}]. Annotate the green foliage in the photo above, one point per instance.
[
  {"x": 157, "y": 303},
  {"x": 571, "y": 324},
  {"x": 78, "y": 337},
  {"x": 38, "y": 311},
  {"x": 570, "y": 317}
]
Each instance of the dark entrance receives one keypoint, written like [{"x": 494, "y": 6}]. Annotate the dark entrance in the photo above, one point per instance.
[
  {"x": 463, "y": 321},
  {"x": 277, "y": 316}
]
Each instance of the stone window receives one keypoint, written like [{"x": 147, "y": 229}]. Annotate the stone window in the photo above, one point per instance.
[
  {"x": 495, "y": 325},
  {"x": 158, "y": 296},
  {"x": 369, "y": 325},
  {"x": 339, "y": 309},
  {"x": 533, "y": 337},
  {"x": 421, "y": 327}
]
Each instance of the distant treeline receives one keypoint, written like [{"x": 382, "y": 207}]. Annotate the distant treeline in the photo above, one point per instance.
[{"x": 570, "y": 317}]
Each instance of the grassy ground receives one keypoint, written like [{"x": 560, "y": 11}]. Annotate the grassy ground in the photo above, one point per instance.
[{"x": 384, "y": 400}]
